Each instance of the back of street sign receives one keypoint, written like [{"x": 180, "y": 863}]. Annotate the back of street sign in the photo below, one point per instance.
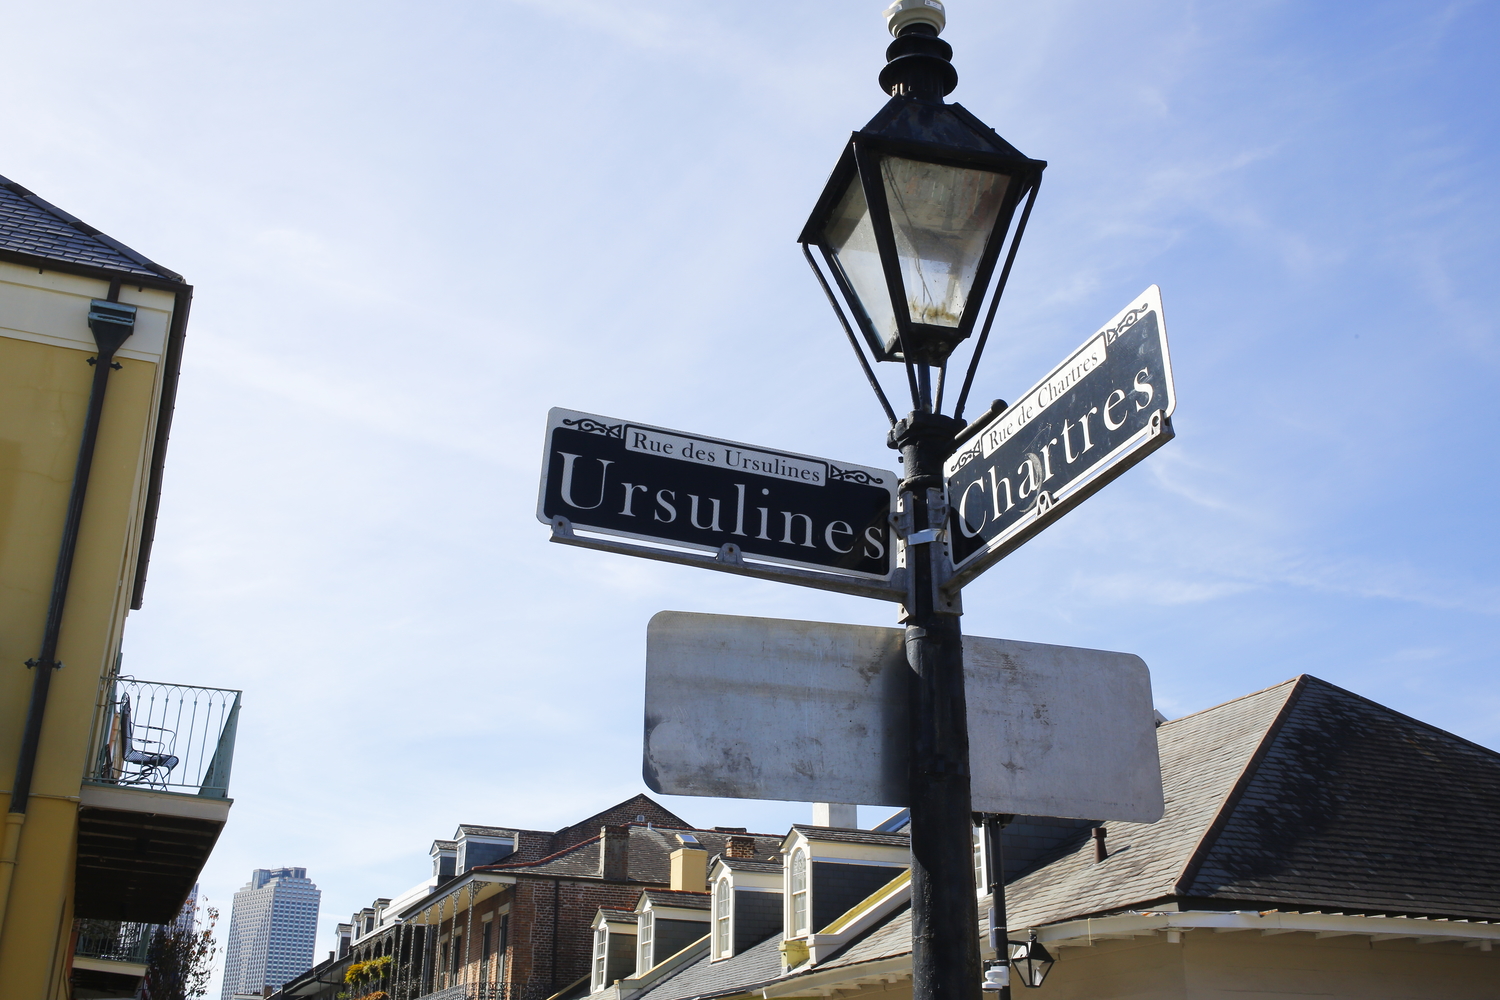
[
  {"x": 1095, "y": 415},
  {"x": 809, "y": 711}
]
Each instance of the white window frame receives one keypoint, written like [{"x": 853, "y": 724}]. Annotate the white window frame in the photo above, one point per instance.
[
  {"x": 645, "y": 938},
  {"x": 981, "y": 857},
  {"x": 601, "y": 956},
  {"x": 796, "y": 927},
  {"x": 723, "y": 918}
]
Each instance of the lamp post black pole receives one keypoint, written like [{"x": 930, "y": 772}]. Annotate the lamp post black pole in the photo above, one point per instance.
[
  {"x": 930, "y": 190},
  {"x": 944, "y": 908}
]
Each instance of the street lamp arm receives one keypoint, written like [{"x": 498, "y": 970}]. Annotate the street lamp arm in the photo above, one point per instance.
[{"x": 853, "y": 341}]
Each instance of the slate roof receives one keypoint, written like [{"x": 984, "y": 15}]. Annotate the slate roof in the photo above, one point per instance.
[
  {"x": 752, "y": 967},
  {"x": 638, "y": 808},
  {"x": 684, "y": 898},
  {"x": 1202, "y": 756},
  {"x": 650, "y": 854},
  {"x": 763, "y": 866},
  {"x": 483, "y": 831},
  {"x": 38, "y": 229},
  {"x": 1356, "y": 806},
  {"x": 623, "y": 916},
  {"x": 839, "y": 835},
  {"x": 1301, "y": 796},
  {"x": 887, "y": 939}
]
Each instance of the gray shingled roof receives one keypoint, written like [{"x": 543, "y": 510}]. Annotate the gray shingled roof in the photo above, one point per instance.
[
  {"x": 36, "y": 228},
  {"x": 887, "y": 939},
  {"x": 841, "y": 835},
  {"x": 1302, "y": 796},
  {"x": 750, "y": 968},
  {"x": 611, "y": 913},
  {"x": 683, "y": 898},
  {"x": 765, "y": 866},
  {"x": 1356, "y": 806},
  {"x": 1202, "y": 755}
]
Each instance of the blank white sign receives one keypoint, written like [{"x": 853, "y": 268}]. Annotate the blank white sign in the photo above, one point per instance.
[{"x": 762, "y": 708}]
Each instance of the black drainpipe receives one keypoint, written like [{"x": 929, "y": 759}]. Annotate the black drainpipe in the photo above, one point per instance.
[{"x": 111, "y": 323}]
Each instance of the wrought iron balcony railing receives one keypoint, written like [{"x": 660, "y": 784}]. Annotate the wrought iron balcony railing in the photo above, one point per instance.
[
  {"x": 472, "y": 991},
  {"x": 166, "y": 737},
  {"x": 114, "y": 940}
]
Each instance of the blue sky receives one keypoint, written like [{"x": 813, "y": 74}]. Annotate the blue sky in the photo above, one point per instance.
[{"x": 413, "y": 228}]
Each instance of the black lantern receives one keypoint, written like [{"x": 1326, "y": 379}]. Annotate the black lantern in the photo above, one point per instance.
[
  {"x": 916, "y": 213},
  {"x": 1030, "y": 961}
]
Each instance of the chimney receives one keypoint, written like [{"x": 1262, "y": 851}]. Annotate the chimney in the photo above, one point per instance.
[
  {"x": 1100, "y": 853},
  {"x": 614, "y": 852},
  {"x": 840, "y": 814},
  {"x": 741, "y": 847},
  {"x": 690, "y": 869}
]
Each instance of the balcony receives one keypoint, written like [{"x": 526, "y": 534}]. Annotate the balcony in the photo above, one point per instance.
[
  {"x": 110, "y": 958},
  {"x": 155, "y": 796},
  {"x": 471, "y": 991}
]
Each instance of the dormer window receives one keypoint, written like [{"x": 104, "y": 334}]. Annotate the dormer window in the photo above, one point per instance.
[
  {"x": 723, "y": 912},
  {"x": 667, "y": 921},
  {"x": 798, "y": 887},
  {"x": 601, "y": 957},
  {"x": 643, "y": 937},
  {"x": 614, "y": 953},
  {"x": 746, "y": 907},
  {"x": 829, "y": 870},
  {"x": 481, "y": 845}
]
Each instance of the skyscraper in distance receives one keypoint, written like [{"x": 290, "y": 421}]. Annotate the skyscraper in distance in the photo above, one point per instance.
[{"x": 271, "y": 931}]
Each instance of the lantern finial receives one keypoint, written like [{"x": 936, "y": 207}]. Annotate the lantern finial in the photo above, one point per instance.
[
  {"x": 904, "y": 12},
  {"x": 917, "y": 62}
]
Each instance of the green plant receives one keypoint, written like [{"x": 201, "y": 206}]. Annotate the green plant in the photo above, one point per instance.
[
  {"x": 363, "y": 973},
  {"x": 179, "y": 961}
]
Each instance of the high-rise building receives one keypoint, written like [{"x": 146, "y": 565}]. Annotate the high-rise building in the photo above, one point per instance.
[{"x": 271, "y": 931}]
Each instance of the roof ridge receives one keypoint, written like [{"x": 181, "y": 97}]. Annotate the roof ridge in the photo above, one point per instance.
[
  {"x": 1409, "y": 718},
  {"x": 1226, "y": 808},
  {"x": 1231, "y": 701}
]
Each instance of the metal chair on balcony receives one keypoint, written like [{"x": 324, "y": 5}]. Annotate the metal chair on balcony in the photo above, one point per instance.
[{"x": 144, "y": 759}]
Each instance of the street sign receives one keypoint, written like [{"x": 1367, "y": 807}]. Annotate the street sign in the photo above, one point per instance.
[
  {"x": 1095, "y": 415},
  {"x": 664, "y": 486},
  {"x": 808, "y": 711}
]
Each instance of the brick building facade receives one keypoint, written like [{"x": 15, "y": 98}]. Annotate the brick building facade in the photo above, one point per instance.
[{"x": 519, "y": 928}]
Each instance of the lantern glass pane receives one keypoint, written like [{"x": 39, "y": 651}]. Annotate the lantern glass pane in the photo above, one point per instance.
[
  {"x": 942, "y": 217},
  {"x": 851, "y": 237}
]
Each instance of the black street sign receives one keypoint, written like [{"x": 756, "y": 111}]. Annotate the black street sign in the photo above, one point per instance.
[
  {"x": 664, "y": 486},
  {"x": 1094, "y": 416}
]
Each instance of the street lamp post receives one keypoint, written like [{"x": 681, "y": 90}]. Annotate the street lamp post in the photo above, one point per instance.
[{"x": 911, "y": 226}]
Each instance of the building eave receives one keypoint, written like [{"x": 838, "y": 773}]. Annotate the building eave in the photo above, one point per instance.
[{"x": 1426, "y": 930}]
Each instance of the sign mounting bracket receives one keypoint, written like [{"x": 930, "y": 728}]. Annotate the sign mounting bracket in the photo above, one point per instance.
[{"x": 729, "y": 559}]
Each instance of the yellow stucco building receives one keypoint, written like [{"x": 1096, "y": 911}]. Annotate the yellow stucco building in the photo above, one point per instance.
[{"x": 115, "y": 789}]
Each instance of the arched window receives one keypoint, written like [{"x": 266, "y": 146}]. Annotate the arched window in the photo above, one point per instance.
[
  {"x": 799, "y": 892},
  {"x": 723, "y": 907}
]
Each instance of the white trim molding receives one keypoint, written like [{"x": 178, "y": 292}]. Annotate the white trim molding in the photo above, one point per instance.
[{"x": 1479, "y": 934}]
